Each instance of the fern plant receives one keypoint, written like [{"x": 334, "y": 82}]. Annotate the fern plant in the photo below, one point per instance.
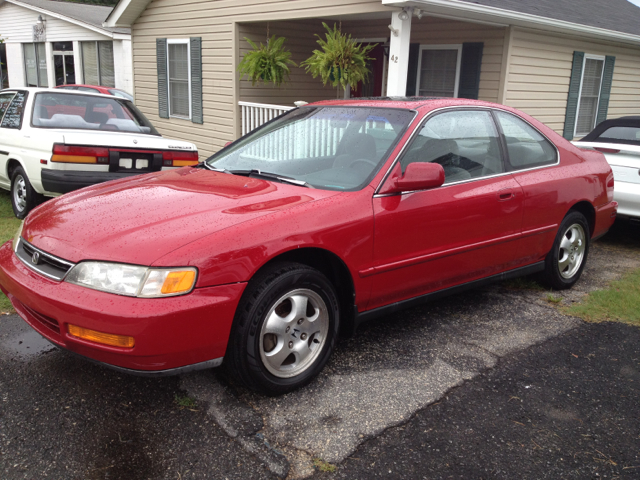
[
  {"x": 341, "y": 62},
  {"x": 267, "y": 63}
]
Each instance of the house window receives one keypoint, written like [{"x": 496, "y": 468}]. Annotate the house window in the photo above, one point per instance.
[
  {"x": 589, "y": 96},
  {"x": 178, "y": 67},
  {"x": 97, "y": 63},
  {"x": 438, "y": 70},
  {"x": 35, "y": 64}
]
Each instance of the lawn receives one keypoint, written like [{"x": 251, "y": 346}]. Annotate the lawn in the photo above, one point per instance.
[
  {"x": 620, "y": 302},
  {"x": 8, "y": 226}
]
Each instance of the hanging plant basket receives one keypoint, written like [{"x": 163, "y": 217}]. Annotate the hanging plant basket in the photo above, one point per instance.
[
  {"x": 267, "y": 63},
  {"x": 341, "y": 61}
]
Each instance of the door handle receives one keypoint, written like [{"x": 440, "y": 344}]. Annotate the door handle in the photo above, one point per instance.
[{"x": 504, "y": 195}]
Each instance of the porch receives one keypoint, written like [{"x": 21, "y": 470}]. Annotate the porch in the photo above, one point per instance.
[{"x": 416, "y": 55}]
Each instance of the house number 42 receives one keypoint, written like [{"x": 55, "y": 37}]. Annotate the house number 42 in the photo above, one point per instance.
[{"x": 394, "y": 58}]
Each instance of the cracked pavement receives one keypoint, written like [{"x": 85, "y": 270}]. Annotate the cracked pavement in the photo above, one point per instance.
[{"x": 62, "y": 417}]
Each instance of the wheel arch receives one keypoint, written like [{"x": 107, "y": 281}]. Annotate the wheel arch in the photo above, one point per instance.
[
  {"x": 587, "y": 209},
  {"x": 12, "y": 164},
  {"x": 334, "y": 268}
]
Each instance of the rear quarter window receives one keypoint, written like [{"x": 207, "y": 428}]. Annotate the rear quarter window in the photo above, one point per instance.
[
  {"x": 627, "y": 134},
  {"x": 14, "y": 112},
  {"x": 526, "y": 147}
]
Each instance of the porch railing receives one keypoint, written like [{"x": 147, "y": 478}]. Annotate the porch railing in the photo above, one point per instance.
[{"x": 255, "y": 114}]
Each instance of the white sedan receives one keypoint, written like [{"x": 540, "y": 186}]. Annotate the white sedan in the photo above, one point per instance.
[
  {"x": 53, "y": 142},
  {"x": 619, "y": 140}
]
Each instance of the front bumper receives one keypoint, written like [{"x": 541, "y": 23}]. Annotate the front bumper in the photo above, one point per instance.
[
  {"x": 170, "y": 333},
  {"x": 65, "y": 181}
]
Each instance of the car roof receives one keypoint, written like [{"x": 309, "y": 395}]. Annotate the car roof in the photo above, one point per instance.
[
  {"x": 410, "y": 103},
  {"x": 56, "y": 90}
]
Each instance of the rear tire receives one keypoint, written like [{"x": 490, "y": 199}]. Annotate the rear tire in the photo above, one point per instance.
[
  {"x": 23, "y": 197},
  {"x": 284, "y": 330},
  {"x": 568, "y": 256}
]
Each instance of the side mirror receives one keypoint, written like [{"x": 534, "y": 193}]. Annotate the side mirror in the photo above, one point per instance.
[{"x": 418, "y": 176}]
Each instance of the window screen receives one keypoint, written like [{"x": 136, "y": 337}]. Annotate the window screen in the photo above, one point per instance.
[
  {"x": 589, "y": 95},
  {"x": 179, "y": 79},
  {"x": 97, "y": 63},
  {"x": 526, "y": 146},
  {"x": 438, "y": 71},
  {"x": 35, "y": 64}
]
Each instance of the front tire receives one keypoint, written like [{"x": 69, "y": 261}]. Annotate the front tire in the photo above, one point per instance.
[
  {"x": 568, "y": 256},
  {"x": 23, "y": 197},
  {"x": 285, "y": 329}
]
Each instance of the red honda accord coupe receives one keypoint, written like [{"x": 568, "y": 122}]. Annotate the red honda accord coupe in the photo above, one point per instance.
[{"x": 329, "y": 215}]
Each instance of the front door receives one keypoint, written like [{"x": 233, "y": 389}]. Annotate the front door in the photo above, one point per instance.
[
  {"x": 462, "y": 231},
  {"x": 63, "y": 63},
  {"x": 373, "y": 86}
]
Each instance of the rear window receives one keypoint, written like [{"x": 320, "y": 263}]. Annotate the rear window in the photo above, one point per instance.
[
  {"x": 83, "y": 112},
  {"x": 626, "y": 134}
]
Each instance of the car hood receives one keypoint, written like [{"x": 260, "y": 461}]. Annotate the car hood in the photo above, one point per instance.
[{"x": 143, "y": 218}]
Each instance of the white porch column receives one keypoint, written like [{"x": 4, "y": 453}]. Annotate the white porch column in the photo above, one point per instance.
[
  {"x": 51, "y": 69},
  {"x": 399, "y": 53},
  {"x": 77, "y": 62}
]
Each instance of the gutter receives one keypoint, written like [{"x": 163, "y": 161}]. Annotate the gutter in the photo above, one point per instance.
[{"x": 471, "y": 11}]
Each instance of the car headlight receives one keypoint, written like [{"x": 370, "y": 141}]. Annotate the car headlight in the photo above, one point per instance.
[
  {"x": 17, "y": 236},
  {"x": 133, "y": 280}
]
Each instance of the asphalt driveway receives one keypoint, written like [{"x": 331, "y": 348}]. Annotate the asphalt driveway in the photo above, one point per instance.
[{"x": 422, "y": 393}]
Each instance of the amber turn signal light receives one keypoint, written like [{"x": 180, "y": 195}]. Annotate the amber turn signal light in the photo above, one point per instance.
[
  {"x": 100, "y": 337},
  {"x": 179, "y": 281}
]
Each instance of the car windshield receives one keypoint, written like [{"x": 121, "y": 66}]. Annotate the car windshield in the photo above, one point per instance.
[
  {"x": 86, "y": 112},
  {"x": 120, "y": 93},
  {"x": 333, "y": 148}
]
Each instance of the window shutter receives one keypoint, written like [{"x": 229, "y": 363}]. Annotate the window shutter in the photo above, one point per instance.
[
  {"x": 412, "y": 70},
  {"x": 605, "y": 89},
  {"x": 196, "y": 80},
  {"x": 574, "y": 92},
  {"x": 470, "y": 65},
  {"x": 163, "y": 86}
]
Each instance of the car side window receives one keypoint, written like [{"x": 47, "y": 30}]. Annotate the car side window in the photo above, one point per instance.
[
  {"x": 5, "y": 100},
  {"x": 465, "y": 143},
  {"x": 13, "y": 115},
  {"x": 527, "y": 148}
]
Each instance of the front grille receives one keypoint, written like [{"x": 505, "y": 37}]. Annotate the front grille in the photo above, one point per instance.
[{"x": 42, "y": 262}]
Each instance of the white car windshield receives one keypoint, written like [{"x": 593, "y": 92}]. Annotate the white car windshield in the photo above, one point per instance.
[
  {"x": 333, "y": 148},
  {"x": 86, "y": 112}
]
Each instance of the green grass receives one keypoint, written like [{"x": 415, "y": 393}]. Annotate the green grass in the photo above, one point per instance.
[
  {"x": 8, "y": 226},
  {"x": 184, "y": 401},
  {"x": 323, "y": 466},
  {"x": 620, "y": 302}
]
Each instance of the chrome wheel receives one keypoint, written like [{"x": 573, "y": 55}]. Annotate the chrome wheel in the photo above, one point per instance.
[
  {"x": 20, "y": 192},
  {"x": 293, "y": 334},
  {"x": 571, "y": 251}
]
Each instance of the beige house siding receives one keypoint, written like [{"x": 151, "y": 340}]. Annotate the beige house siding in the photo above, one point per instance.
[
  {"x": 540, "y": 70},
  {"x": 215, "y": 22}
]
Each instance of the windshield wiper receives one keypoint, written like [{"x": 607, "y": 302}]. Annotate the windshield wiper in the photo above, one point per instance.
[
  {"x": 212, "y": 168},
  {"x": 271, "y": 176}
]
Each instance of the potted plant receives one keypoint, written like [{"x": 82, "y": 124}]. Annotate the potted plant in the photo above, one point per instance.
[
  {"x": 267, "y": 63},
  {"x": 341, "y": 62}
]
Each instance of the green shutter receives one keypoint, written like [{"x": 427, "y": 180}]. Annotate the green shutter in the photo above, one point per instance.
[
  {"x": 574, "y": 92},
  {"x": 412, "y": 69},
  {"x": 163, "y": 84},
  {"x": 196, "y": 80},
  {"x": 470, "y": 65},
  {"x": 605, "y": 89}
]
